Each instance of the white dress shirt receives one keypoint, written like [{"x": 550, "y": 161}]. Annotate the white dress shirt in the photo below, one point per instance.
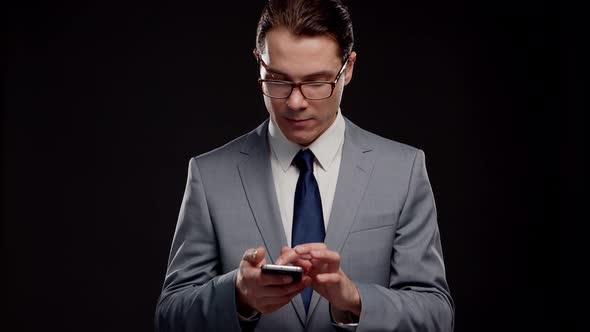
[{"x": 327, "y": 149}]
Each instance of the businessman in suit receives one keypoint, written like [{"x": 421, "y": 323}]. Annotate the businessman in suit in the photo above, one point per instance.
[{"x": 307, "y": 188}]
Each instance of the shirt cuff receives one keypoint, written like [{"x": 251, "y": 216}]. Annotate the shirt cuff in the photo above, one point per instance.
[
  {"x": 254, "y": 316},
  {"x": 343, "y": 318}
]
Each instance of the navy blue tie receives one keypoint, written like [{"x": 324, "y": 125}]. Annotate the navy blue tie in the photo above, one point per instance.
[{"x": 308, "y": 219}]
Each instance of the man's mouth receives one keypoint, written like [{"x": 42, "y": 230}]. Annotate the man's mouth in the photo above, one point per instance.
[{"x": 297, "y": 121}]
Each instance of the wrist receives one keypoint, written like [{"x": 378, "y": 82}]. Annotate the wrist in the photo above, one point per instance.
[
  {"x": 356, "y": 304},
  {"x": 353, "y": 305},
  {"x": 242, "y": 306},
  {"x": 343, "y": 316},
  {"x": 244, "y": 309}
]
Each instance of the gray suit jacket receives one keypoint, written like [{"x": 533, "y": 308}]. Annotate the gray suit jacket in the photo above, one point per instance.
[{"x": 383, "y": 224}]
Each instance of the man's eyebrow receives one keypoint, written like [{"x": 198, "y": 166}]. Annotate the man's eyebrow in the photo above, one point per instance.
[
  {"x": 275, "y": 71},
  {"x": 321, "y": 73}
]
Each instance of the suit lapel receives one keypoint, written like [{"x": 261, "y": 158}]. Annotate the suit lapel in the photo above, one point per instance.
[
  {"x": 355, "y": 170},
  {"x": 256, "y": 175}
]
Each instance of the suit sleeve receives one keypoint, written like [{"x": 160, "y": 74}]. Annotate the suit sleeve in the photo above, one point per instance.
[
  {"x": 195, "y": 295},
  {"x": 418, "y": 297}
]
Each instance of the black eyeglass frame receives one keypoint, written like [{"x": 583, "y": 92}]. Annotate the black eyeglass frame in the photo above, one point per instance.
[{"x": 293, "y": 84}]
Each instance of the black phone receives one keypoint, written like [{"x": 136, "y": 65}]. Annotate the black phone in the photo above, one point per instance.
[{"x": 295, "y": 272}]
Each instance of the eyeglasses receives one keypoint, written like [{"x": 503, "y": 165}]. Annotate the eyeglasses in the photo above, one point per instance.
[{"x": 312, "y": 90}]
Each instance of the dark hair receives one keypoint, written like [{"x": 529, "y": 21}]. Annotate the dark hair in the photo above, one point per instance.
[{"x": 308, "y": 18}]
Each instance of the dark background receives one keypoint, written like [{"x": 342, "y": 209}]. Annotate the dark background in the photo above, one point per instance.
[{"x": 103, "y": 105}]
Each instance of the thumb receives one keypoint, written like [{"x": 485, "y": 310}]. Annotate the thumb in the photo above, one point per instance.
[{"x": 255, "y": 256}]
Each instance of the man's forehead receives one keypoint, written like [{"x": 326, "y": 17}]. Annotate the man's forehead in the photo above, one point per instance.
[{"x": 282, "y": 45}]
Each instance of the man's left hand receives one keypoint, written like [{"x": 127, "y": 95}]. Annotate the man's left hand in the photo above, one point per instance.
[{"x": 323, "y": 266}]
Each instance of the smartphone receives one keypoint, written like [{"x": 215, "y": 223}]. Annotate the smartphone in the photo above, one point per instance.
[{"x": 295, "y": 272}]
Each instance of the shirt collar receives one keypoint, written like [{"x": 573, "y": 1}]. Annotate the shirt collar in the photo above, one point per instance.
[{"x": 324, "y": 147}]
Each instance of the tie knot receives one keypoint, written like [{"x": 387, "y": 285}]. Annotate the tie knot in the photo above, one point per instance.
[{"x": 304, "y": 160}]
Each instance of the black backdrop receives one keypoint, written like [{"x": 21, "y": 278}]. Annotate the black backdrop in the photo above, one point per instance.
[{"x": 103, "y": 105}]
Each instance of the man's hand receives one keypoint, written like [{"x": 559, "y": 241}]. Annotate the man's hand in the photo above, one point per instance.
[
  {"x": 323, "y": 266},
  {"x": 260, "y": 292}
]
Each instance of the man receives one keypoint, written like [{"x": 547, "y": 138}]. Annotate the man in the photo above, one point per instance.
[{"x": 306, "y": 188}]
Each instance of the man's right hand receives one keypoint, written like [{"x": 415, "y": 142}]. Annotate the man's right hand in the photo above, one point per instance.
[{"x": 260, "y": 292}]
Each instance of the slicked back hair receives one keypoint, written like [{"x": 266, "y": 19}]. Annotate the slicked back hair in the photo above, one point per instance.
[{"x": 308, "y": 18}]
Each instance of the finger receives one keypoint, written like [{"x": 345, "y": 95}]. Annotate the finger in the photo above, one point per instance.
[
  {"x": 305, "y": 256},
  {"x": 331, "y": 258},
  {"x": 304, "y": 263},
  {"x": 281, "y": 299},
  {"x": 281, "y": 290},
  {"x": 288, "y": 255},
  {"x": 266, "y": 279},
  {"x": 306, "y": 248},
  {"x": 250, "y": 272},
  {"x": 327, "y": 256},
  {"x": 317, "y": 267},
  {"x": 328, "y": 278},
  {"x": 254, "y": 256},
  {"x": 287, "y": 249}
]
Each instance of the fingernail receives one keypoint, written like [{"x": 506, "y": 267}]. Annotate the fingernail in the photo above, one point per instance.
[
  {"x": 254, "y": 254},
  {"x": 286, "y": 279}
]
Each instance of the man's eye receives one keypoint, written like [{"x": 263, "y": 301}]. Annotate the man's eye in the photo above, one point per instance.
[{"x": 316, "y": 85}]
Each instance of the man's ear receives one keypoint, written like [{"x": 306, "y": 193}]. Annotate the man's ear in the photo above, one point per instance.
[
  {"x": 255, "y": 52},
  {"x": 349, "y": 68}
]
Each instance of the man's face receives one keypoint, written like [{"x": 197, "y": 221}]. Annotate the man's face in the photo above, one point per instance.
[{"x": 297, "y": 59}]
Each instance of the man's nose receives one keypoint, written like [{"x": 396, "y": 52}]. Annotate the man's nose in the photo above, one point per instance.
[{"x": 296, "y": 100}]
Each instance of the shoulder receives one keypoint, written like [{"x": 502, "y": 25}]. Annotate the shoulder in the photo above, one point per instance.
[
  {"x": 231, "y": 153},
  {"x": 395, "y": 164},
  {"x": 385, "y": 148}
]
